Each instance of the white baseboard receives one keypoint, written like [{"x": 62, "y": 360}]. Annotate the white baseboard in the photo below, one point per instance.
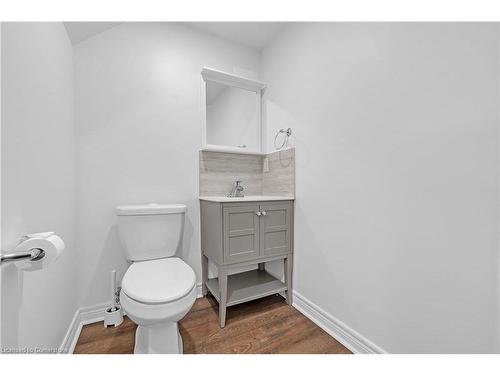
[
  {"x": 93, "y": 314},
  {"x": 88, "y": 315},
  {"x": 69, "y": 341},
  {"x": 340, "y": 331},
  {"x": 84, "y": 315}
]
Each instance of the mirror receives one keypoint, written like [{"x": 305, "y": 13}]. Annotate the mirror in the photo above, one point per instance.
[
  {"x": 232, "y": 117},
  {"x": 232, "y": 113}
]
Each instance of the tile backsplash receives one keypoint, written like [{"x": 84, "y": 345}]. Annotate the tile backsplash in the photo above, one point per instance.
[
  {"x": 280, "y": 179},
  {"x": 218, "y": 171}
]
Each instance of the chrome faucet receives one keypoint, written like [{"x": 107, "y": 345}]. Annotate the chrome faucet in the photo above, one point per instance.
[{"x": 237, "y": 190}]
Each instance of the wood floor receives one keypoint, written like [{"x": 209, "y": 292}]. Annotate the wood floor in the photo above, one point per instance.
[{"x": 267, "y": 325}]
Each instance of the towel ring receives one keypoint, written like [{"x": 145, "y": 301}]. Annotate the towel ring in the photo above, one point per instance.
[{"x": 288, "y": 133}]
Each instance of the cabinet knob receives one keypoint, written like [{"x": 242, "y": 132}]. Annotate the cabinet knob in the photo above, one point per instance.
[
  {"x": 264, "y": 213},
  {"x": 258, "y": 213}
]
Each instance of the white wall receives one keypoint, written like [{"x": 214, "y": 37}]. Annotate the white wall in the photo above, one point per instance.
[
  {"x": 139, "y": 132},
  {"x": 396, "y": 129},
  {"x": 38, "y": 179}
]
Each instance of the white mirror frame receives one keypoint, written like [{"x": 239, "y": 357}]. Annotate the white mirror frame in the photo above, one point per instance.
[{"x": 212, "y": 75}]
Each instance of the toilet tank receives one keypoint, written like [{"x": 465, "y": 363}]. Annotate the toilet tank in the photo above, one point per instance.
[{"x": 150, "y": 231}]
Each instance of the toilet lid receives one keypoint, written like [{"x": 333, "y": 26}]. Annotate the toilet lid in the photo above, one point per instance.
[{"x": 158, "y": 281}]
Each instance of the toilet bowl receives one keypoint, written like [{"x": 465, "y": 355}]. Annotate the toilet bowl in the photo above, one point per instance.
[
  {"x": 158, "y": 289},
  {"x": 156, "y": 294}
]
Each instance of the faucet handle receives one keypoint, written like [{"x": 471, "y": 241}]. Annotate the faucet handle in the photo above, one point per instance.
[{"x": 237, "y": 189}]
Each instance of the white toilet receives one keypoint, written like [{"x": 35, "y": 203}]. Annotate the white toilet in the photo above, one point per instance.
[{"x": 158, "y": 288}]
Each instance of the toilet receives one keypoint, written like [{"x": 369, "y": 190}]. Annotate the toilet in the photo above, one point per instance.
[{"x": 158, "y": 289}]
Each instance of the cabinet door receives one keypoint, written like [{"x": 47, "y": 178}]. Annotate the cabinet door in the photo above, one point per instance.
[
  {"x": 241, "y": 233},
  {"x": 275, "y": 228}
]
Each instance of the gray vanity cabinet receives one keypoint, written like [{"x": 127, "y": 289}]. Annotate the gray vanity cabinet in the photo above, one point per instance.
[
  {"x": 241, "y": 233},
  {"x": 275, "y": 225},
  {"x": 237, "y": 234}
]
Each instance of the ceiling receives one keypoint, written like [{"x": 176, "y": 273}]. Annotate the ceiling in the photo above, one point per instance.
[
  {"x": 79, "y": 31},
  {"x": 251, "y": 34}
]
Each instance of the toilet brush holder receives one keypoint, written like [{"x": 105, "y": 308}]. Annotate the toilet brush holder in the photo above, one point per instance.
[{"x": 113, "y": 317}]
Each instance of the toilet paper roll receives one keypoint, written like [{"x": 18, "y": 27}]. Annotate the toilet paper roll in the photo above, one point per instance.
[{"x": 50, "y": 243}]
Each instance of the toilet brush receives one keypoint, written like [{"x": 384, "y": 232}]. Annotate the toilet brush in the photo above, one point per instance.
[{"x": 113, "y": 315}]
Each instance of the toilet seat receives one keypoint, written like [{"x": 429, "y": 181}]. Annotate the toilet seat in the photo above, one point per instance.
[{"x": 158, "y": 281}]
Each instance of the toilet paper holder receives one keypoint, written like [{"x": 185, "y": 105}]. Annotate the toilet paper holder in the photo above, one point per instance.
[{"x": 33, "y": 254}]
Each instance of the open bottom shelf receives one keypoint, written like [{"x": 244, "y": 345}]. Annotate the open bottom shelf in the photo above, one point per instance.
[{"x": 247, "y": 286}]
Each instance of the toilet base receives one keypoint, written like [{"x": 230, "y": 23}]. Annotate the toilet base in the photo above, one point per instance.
[{"x": 162, "y": 338}]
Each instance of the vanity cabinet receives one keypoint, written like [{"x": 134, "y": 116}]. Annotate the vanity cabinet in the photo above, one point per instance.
[
  {"x": 237, "y": 234},
  {"x": 241, "y": 233}
]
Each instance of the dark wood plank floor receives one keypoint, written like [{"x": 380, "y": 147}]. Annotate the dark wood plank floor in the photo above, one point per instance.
[{"x": 267, "y": 325}]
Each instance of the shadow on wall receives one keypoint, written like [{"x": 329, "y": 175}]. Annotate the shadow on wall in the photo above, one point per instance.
[
  {"x": 111, "y": 257},
  {"x": 185, "y": 243},
  {"x": 12, "y": 299}
]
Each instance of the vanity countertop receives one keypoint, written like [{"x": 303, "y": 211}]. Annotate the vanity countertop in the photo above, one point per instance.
[{"x": 248, "y": 198}]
